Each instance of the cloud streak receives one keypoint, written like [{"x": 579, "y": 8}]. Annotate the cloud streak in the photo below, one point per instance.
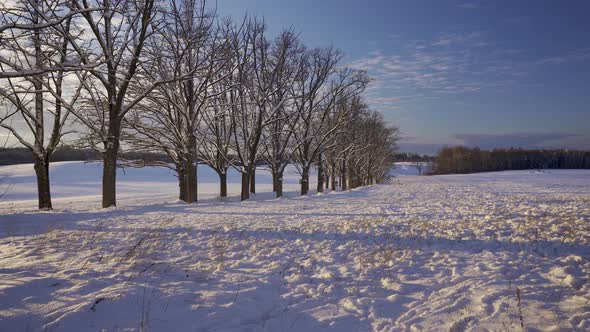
[
  {"x": 572, "y": 56},
  {"x": 468, "y": 5},
  {"x": 450, "y": 63}
]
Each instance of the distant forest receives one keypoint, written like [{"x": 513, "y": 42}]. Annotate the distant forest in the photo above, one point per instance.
[
  {"x": 448, "y": 161},
  {"x": 12, "y": 156},
  {"x": 409, "y": 156},
  {"x": 472, "y": 160}
]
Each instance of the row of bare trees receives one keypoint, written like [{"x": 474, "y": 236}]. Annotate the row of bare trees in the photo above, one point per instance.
[{"x": 170, "y": 76}]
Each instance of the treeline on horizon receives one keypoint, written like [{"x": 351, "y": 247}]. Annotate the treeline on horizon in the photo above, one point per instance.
[
  {"x": 21, "y": 155},
  {"x": 461, "y": 160},
  {"x": 410, "y": 156}
]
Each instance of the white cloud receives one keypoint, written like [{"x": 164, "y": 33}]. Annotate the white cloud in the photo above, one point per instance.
[
  {"x": 572, "y": 56},
  {"x": 451, "y": 63},
  {"x": 468, "y": 5},
  {"x": 447, "y": 39}
]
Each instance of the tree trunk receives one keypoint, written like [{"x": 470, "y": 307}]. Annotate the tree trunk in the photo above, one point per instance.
[
  {"x": 351, "y": 183},
  {"x": 253, "y": 180},
  {"x": 274, "y": 180},
  {"x": 343, "y": 175},
  {"x": 333, "y": 182},
  {"x": 41, "y": 165},
  {"x": 245, "y": 194},
  {"x": 333, "y": 177},
  {"x": 191, "y": 181},
  {"x": 222, "y": 185},
  {"x": 43, "y": 188},
  {"x": 305, "y": 180},
  {"x": 109, "y": 174},
  {"x": 320, "y": 186},
  {"x": 181, "y": 182},
  {"x": 279, "y": 184}
]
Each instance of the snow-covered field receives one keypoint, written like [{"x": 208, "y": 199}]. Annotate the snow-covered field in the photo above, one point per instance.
[
  {"x": 409, "y": 168},
  {"x": 79, "y": 182},
  {"x": 490, "y": 251}
]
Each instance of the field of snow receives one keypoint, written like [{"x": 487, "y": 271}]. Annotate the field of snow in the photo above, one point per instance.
[
  {"x": 409, "y": 168},
  {"x": 76, "y": 181},
  {"x": 489, "y": 251}
]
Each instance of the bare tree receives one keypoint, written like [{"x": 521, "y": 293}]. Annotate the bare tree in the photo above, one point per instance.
[
  {"x": 186, "y": 52},
  {"x": 367, "y": 156},
  {"x": 277, "y": 136},
  {"x": 419, "y": 165},
  {"x": 374, "y": 152},
  {"x": 14, "y": 18},
  {"x": 5, "y": 184},
  {"x": 118, "y": 32},
  {"x": 317, "y": 90},
  {"x": 259, "y": 75},
  {"x": 34, "y": 98},
  {"x": 342, "y": 143},
  {"x": 217, "y": 128},
  {"x": 246, "y": 124},
  {"x": 214, "y": 150},
  {"x": 46, "y": 17}
]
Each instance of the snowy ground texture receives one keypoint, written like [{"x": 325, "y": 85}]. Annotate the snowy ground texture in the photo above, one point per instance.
[{"x": 492, "y": 251}]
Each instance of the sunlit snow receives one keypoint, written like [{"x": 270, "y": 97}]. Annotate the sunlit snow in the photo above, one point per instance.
[{"x": 449, "y": 252}]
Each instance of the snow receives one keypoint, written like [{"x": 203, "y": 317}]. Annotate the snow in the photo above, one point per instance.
[
  {"x": 409, "y": 168},
  {"x": 75, "y": 180},
  {"x": 422, "y": 253}
]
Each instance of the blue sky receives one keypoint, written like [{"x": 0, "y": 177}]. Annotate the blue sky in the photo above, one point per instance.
[{"x": 487, "y": 73}]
